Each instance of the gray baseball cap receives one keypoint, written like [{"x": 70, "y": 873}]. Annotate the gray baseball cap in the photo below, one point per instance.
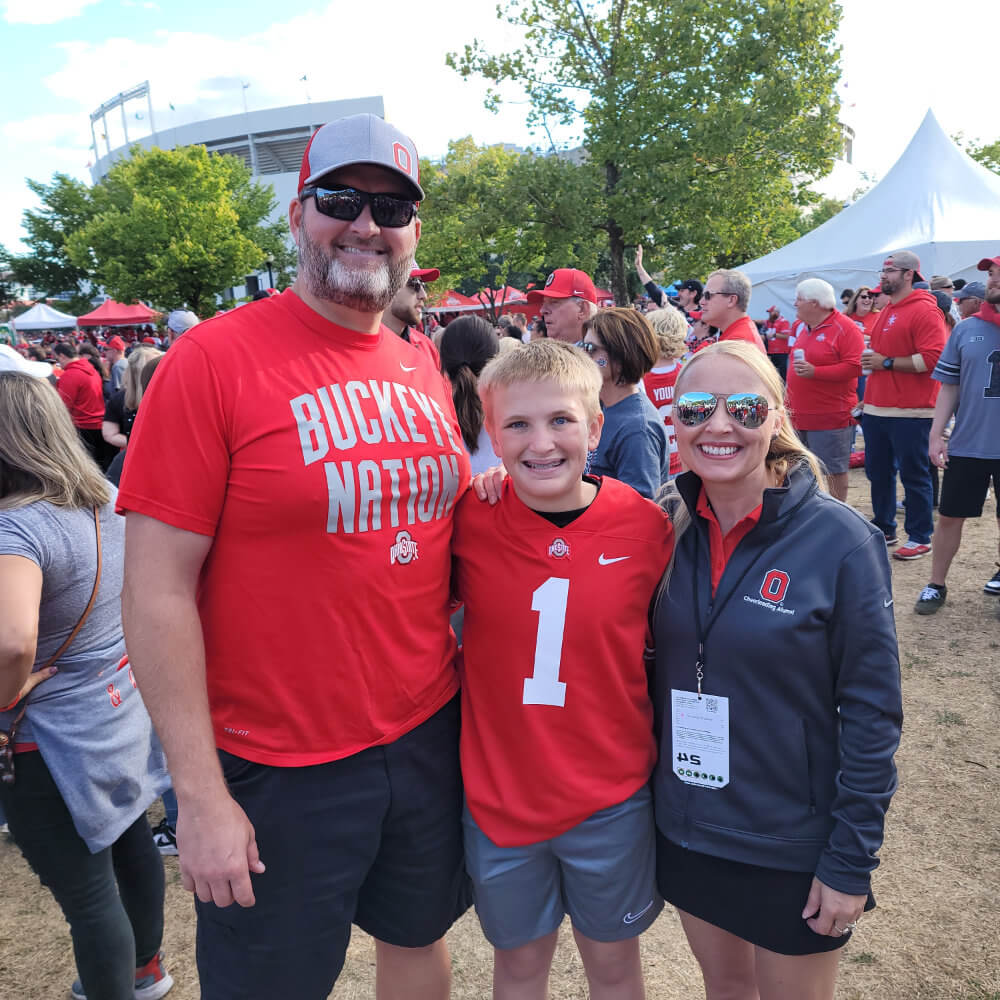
[
  {"x": 973, "y": 290},
  {"x": 181, "y": 320},
  {"x": 361, "y": 139}
]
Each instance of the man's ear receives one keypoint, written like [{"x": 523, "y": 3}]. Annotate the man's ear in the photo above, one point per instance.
[{"x": 295, "y": 217}]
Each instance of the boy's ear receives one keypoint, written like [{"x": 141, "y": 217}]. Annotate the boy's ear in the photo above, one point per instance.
[{"x": 593, "y": 430}]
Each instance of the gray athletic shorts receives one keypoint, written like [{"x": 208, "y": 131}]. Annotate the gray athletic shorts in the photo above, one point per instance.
[
  {"x": 601, "y": 872},
  {"x": 832, "y": 448}
]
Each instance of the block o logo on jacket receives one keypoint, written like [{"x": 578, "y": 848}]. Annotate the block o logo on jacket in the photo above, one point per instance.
[{"x": 774, "y": 586}]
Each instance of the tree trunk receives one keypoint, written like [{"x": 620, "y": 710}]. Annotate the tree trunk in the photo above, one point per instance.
[{"x": 616, "y": 246}]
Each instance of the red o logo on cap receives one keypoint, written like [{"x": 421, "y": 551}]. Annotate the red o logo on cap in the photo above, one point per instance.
[
  {"x": 774, "y": 586},
  {"x": 402, "y": 157}
]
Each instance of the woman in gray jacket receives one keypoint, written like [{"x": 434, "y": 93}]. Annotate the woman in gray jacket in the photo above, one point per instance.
[{"x": 777, "y": 693}]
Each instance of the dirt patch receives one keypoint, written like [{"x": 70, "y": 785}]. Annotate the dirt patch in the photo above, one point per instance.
[{"x": 934, "y": 936}]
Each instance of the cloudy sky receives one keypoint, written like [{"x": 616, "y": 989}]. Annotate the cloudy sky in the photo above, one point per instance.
[{"x": 63, "y": 58}]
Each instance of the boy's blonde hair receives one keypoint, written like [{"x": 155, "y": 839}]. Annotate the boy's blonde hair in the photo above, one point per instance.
[
  {"x": 671, "y": 331},
  {"x": 541, "y": 361}
]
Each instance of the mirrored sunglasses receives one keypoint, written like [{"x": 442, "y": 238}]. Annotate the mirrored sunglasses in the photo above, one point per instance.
[
  {"x": 747, "y": 408},
  {"x": 346, "y": 204}
]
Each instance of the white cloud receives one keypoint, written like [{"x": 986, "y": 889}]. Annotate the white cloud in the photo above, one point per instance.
[{"x": 42, "y": 11}]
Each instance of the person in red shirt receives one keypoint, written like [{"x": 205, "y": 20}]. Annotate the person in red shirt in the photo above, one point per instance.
[
  {"x": 777, "y": 330},
  {"x": 823, "y": 380},
  {"x": 559, "y": 663},
  {"x": 671, "y": 330},
  {"x": 906, "y": 343},
  {"x": 287, "y": 599},
  {"x": 82, "y": 390},
  {"x": 405, "y": 312},
  {"x": 724, "y": 305},
  {"x": 861, "y": 310}
]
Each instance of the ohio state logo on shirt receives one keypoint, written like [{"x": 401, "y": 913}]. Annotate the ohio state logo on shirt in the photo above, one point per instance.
[
  {"x": 404, "y": 549},
  {"x": 559, "y": 549}
]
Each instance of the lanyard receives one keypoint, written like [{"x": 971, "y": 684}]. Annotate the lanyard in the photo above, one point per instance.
[{"x": 704, "y": 628}]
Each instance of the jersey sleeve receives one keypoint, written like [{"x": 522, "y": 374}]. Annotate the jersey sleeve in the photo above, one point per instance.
[
  {"x": 949, "y": 366},
  {"x": 177, "y": 463}
]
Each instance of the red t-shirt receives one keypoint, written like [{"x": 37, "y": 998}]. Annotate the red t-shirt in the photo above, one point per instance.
[
  {"x": 81, "y": 390},
  {"x": 778, "y": 345},
  {"x": 824, "y": 402},
  {"x": 556, "y": 717},
  {"x": 424, "y": 344},
  {"x": 325, "y": 464},
  {"x": 743, "y": 329},
  {"x": 721, "y": 547},
  {"x": 659, "y": 385},
  {"x": 914, "y": 326}
]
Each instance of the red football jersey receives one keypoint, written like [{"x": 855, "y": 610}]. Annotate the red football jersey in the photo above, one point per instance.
[
  {"x": 325, "y": 464},
  {"x": 556, "y": 717},
  {"x": 659, "y": 385}
]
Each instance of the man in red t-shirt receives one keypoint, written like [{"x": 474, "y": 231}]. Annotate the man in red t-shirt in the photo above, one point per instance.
[
  {"x": 777, "y": 330},
  {"x": 823, "y": 381},
  {"x": 405, "y": 311},
  {"x": 724, "y": 305},
  {"x": 287, "y": 600},
  {"x": 906, "y": 342},
  {"x": 81, "y": 389}
]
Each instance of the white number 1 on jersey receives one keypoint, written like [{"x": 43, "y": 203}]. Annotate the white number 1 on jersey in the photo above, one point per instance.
[{"x": 543, "y": 687}]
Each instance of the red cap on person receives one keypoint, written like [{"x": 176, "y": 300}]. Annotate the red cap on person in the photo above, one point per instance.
[
  {"x": 116, "y": 344},
  {"x": 566, "y": 283},
  {"x": 361, "y": 139},
  {"x": 425, "y": 274},
  {"x": 149, "y": 340},
  {"x": 987, "y": 262}
]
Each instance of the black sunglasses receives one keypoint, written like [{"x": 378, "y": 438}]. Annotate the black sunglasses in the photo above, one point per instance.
[
  {"x": 864, "y": 295},
  {"x": 746, "y": 408},
  {"x": 415, "y": 285},
  {"x": 706, "y": 296},
  {"x": 391, "y": 211}
]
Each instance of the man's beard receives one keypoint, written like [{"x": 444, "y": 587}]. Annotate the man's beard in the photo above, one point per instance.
[
  {"x": 367, "y": 291},
  {"x": 993, "y": 296}
]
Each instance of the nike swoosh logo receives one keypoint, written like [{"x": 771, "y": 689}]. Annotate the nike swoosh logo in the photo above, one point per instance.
[
  {"x": 887, "y": 604},
  {"x": 405, "y": 369},
  {"x": 607, "y": 562},
  {"x": 631, "y": 918}
]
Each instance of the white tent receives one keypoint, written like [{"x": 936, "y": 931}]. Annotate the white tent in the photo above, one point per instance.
[
  {"x": 43, "y": 317},
  {"x": 936, "y": 201}
]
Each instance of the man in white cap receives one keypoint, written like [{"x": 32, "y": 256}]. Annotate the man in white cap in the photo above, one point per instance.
[
  {"x": 178, "y": 322},
  {"x": 11, "y": 361},
  {"x": 286, "y": 603}
]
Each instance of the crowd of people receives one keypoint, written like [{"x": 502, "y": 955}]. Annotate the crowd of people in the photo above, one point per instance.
[{"x": 614, "y": 499}]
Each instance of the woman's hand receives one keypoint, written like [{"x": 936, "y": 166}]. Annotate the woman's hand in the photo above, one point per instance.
[
  {"x": 489, "y": 484},
  {"x": 830, "y": 912}
]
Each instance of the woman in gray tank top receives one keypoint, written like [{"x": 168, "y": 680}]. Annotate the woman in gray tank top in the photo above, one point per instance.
[{"x": 86, "y": 760}]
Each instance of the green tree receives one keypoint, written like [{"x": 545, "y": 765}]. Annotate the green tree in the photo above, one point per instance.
[
  {"x": 66, "y": 206},
  {"x": 822, "y": 212},
  {"x": 494, "y": 218},
  {"x": 987, "y": 154},
  {"x": 696, "y": 114},
  {"x": 174, "y": 227}
]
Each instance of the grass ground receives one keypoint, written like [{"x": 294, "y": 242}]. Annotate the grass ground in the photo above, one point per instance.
[{"x": 934, "y": 936}]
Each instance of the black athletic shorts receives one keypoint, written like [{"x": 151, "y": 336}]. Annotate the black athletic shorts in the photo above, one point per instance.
[
  {"x": 374, "y": 839},
  {"x": 760, "y": 905},
  {"x": 964, "y": 486}
]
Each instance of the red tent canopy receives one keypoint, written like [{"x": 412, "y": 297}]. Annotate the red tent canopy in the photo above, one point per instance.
[
  {"x": 113, "y": 313},
  {"x": 452, "y": 300}
]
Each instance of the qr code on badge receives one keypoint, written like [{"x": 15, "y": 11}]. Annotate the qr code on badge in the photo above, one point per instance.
[{"x": 711, "y": 704}]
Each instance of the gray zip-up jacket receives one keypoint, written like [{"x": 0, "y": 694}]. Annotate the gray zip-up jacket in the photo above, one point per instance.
[{"x": 812, "y": 680}]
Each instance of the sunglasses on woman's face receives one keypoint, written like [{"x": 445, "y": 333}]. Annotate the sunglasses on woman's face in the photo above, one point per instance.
[
  {"x": 864, "y": 298},
  {"x": 748, "y": 409},
  {"x": 389, "y": 211}
]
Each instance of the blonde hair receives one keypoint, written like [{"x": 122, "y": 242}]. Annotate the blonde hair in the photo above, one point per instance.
[
  {"x": 541, "y": 361},
  {"x": 41, "y": 454},
  {"x": 671, "y": 331},
  {"x": 786, "y": 449},
  {"x": 133, "y": 386},
  {"x": 508, "y": 344}
]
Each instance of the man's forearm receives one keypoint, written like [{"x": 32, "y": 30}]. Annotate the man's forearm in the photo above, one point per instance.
[{"x": 167, "y": 654}]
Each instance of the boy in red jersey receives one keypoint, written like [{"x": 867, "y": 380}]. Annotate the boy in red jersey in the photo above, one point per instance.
[
  {"x": 557, "y": 743},
  {"x": 671, "y": 331}
]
